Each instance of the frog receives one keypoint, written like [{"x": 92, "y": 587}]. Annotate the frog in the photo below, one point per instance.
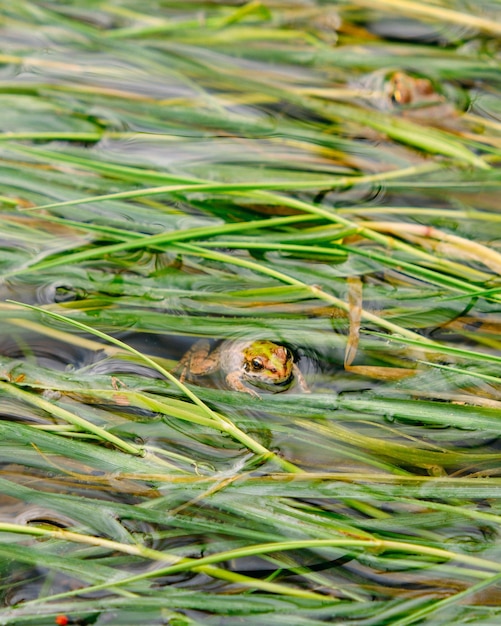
[
  {"x": 416, "y": 97},
  {"x": 260, "y": 363}
]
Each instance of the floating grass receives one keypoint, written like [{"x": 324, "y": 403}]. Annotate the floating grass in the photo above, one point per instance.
[{"x": 308, "y": 173}]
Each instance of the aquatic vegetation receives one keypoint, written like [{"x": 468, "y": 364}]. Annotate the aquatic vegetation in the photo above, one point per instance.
[{"x": 318, "y": 176}]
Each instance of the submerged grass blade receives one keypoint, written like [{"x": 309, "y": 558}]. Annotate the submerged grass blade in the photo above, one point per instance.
[
  {"x": 431, "y": 11},
  {"x": 10, "y": 389}
]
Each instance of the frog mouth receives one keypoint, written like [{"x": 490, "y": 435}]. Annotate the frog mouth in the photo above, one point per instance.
[{"x": 273, "y": 386}]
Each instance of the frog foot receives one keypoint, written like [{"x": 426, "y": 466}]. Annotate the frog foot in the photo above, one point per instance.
[{"x": 235, "y": 382}]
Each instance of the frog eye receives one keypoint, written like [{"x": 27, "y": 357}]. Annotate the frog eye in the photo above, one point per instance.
[{"x": 257, "y": 364}]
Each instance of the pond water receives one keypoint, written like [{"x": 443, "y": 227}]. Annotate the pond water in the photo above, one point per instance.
[{"x": 320, "y": 175}]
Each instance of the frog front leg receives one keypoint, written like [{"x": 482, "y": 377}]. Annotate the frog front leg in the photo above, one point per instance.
[
  {"x": 298, "y": 375},
  {"x": 198, "y": 361},
  {"x": 234, "y": 381}
]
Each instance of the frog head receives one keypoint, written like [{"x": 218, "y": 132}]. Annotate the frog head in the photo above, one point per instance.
[{"x": 266, "y": 364}]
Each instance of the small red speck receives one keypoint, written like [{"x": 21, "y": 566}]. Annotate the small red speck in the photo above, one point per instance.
[{"x": 62, "y": 620}]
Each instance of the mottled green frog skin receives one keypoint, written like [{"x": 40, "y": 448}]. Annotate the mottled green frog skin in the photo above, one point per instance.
[{"x": 260, "y": 363}]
